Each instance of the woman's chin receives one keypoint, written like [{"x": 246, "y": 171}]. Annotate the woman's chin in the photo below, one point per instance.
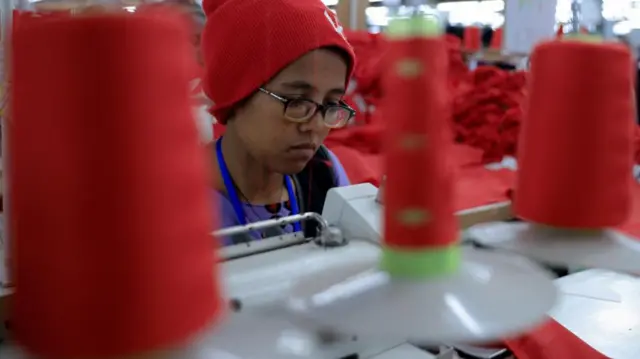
[{"x": 292, "y": 167}]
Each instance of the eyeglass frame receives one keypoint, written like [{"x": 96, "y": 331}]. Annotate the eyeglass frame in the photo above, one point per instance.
[{"x": 319, "y": 107}]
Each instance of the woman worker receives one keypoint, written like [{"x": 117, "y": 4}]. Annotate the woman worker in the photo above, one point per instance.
[{"x": 276, "y": 71}]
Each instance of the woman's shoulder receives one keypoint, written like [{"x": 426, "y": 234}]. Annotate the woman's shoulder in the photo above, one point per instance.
[{"x": 341, "y": 178}]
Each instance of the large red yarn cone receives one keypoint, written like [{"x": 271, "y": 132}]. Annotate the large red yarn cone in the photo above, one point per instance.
[
  {"x": 418, "y": 137},
  {"x": 575, "y": 150},
  {"x": 109, "y": 211}
]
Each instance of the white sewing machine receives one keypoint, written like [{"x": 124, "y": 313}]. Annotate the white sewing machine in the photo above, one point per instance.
[
  {"x": 259, "y": 275},
  {"x": 600, "y": 307}
]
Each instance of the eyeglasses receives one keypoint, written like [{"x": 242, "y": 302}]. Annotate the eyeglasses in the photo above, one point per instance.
[{"x": 301, "y": 110}]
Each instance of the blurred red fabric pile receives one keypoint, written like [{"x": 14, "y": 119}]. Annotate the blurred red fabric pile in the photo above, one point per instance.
[
  {"x": 359, "y": 146},
  {"x": 486, "y": 101},
  {"x": 486, "y": 112}
]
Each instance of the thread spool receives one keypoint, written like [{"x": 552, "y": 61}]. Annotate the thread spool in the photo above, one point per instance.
[
  {"x": 472, "y": 39},
  {"x": 109, "y": 203},
  {"x": 496, "y": 39},
  {"x": 575, "y": 150},
  {"x": 420, "y": 231},
  {"x": 575, "y": 160},
  {"x": 415, "y": 289}
]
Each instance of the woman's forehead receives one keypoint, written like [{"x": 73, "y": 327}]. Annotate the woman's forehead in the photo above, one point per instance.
[{"x": 322, "y": 70}]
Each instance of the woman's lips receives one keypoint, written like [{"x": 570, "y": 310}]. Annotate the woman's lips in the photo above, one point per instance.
[{"x": 305, "y": 150}]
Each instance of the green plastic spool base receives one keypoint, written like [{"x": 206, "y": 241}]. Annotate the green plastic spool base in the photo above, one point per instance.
[
  {"x": 424, "y": 263},
  {"x": 583, "y": 38}
]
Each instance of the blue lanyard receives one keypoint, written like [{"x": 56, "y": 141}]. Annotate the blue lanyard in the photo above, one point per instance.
[{"x": 233, "y": 195}]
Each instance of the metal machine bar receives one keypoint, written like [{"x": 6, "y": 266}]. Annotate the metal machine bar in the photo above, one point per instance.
[
  {"x": 269, "y": 223},
  {"x": 242, "y": 250},
  {"x": 326, "y": 236}
]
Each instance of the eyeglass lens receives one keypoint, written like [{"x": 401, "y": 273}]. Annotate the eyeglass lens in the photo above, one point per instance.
[{"x": 300, "y": 110}]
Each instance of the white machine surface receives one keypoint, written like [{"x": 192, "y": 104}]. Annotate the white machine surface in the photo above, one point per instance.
[
  {"x": 474, "y": 304},
  {"x": 262, "y": 283},
  {"x": 610, "y": 248},
  {"x": 600, "y": 307},
  {"x": 261, "y": 326},
  {"x": 603, "y": 309}
]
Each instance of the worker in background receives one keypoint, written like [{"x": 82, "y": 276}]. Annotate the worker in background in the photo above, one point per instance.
[
  {"x": 196, "y": 18},
  {"x": 277, "y": 71}
]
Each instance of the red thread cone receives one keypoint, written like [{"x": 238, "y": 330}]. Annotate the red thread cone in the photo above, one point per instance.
[
  {"x": 472, "y": 39},
  {"x": 496, "y": 39},
  {"x": 110, "y": 218},
  {"x": 418, "y": 174},
  {"x": 575, "y": 149}
]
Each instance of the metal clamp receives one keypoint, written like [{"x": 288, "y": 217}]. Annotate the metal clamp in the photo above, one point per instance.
[{"x": 328, "y": 236}]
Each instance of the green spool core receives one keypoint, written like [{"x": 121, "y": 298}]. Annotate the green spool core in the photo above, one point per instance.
[
  {"x": 419, "y": 264},
  {"x": 583, "y": 38},
  {"x": 415, "y": 26}
]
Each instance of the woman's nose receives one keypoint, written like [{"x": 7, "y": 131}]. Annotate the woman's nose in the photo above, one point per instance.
[{"x": 314, "y": 124}]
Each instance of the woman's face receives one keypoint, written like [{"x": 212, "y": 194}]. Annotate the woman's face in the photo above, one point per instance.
[{"x": 279, "y": 144}]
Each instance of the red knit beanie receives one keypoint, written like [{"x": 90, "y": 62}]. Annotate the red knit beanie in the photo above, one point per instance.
[{"x": 245, "y": 43}]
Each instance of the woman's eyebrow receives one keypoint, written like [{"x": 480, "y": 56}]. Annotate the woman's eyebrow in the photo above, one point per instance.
[
  {"x": 337, "y": 91},
  {"x": 298, "y": 85},
  {"x": 307, "y": 87}
]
